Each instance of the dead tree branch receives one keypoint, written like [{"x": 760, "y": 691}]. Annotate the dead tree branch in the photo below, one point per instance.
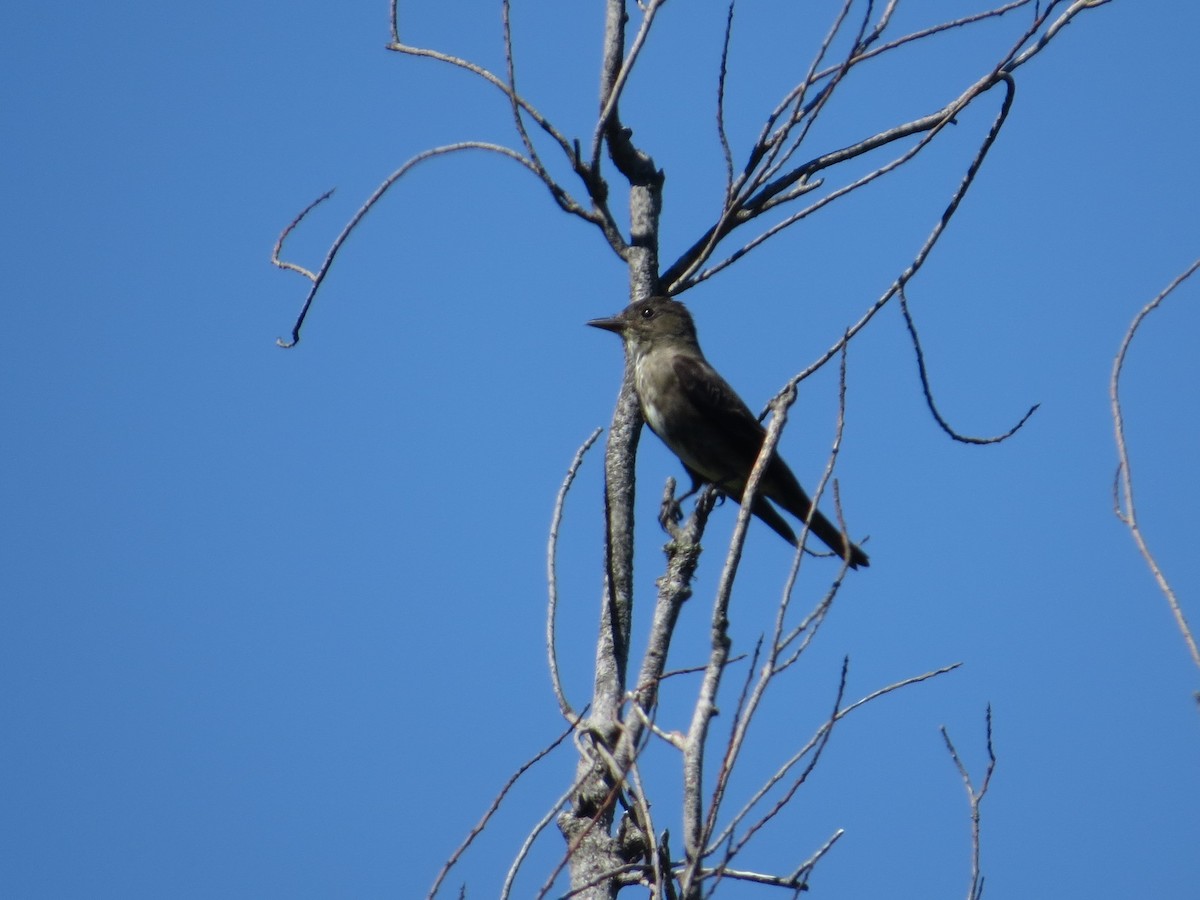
[
  {"x": 552, "y": 577},
  {"x": 784, "y": 178},
  {"x": 319, "y": 276},
  {"x": 975, "y": 798},
  {"x": 491, "y": 811},
  {"x": 1123, "y": 504}
]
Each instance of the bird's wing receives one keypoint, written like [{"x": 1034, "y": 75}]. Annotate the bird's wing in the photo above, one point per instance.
[
  {"x": 719, "y": 437},
  {"x": 735, "y": 439},
  {"x": 715, "y": 401}
]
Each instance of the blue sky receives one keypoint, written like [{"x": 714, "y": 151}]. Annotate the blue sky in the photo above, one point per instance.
[{"x": 272, "y": 621}]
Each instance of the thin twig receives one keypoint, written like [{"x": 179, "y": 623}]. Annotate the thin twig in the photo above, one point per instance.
[
  {"x": 762, "y": 159},
  {"x": 779, "y": 642},
  {"x": 499, "y": 798},
  {"x": 492, "y": 79},
  {"x": 782, "y": 771},
  {"x": 527, "y": 843},
  {"x": 694, "y": 830},
  {"x": 722, "y": 74},
  {"x": 283, "y": 236},
  {"x": 804, "y": 116},
  {"x": 564, "y": 705},
  {"x": 510, "y": 67},
  {"x": 609, "y": 109},
  {"x": 1123, "y": 505},
  {"x": 319, "y": 276},
  {"x": 819, "y": 741},
  {"x": 600, "y": 214},
  {"x": 646, "y": 823},
  {"x": 930, "y": 241},
  {"x": 817, "y": 746},
  {"x": 928, "y": 391},
  {"x": 962, "y": 22},
  {"x": 746, "y": 711},
  {"x": 767, "y": 148},
  {"x": 805, "y": 868},
  {"x": 975, "y": 798}
]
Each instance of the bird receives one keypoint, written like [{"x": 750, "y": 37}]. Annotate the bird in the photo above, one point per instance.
[{"x": 704, "y": 422}]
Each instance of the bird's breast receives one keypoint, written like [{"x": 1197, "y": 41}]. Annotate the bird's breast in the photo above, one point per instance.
[
  {"x": 653, "y": 392},
  {"x": 666, "y": 408}
]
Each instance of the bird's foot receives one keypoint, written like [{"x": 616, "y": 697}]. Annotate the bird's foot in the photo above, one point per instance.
[{"x": 670, "y": 514}]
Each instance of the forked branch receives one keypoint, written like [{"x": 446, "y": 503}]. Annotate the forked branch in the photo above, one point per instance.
[
  {"x": 975, "y": 797},
  {"x": 319, "y": 275},
  {"x": 767, "y": 182}
]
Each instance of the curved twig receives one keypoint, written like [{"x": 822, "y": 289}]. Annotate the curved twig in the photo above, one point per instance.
[
  {"x": 600, "y": 215},
  {"x": 1123, "y": 505},
  {"x": 283, "y": 236},
  {"x": 491, "y": 78},
  {"x": 930, "y": 241},
  {"x": 552, "y": 577},
  {"x": 319, "y": 276},
  {"x": 928, "y": 391}
]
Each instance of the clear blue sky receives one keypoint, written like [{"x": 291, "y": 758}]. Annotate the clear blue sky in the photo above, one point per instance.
[{"x": 271, "y": 622}]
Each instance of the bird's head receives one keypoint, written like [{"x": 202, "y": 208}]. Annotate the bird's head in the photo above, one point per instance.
[{"x": 659, "y": 320}]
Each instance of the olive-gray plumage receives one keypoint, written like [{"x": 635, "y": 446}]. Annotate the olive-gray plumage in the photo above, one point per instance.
[{"x": 705, "y": 423}]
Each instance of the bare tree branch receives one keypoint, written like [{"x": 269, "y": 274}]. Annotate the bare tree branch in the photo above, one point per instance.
[
  {"x": 975, "y": 798},
  {"x": 283, "y": 236},
  {"x": 928, "y": 391},
  {"x": 597, "y": 190},
  {"x": 805, "y": 868},
  {"x": 319, "y": 276},
  {"x": 779, "y": 171},
  {"x": 694, "y": 832},
  {"x": 923, "y": 33},
  {"x": 586, "y": 825},
  {"x": 499, "y": 798},
  {"x": 726, "y": 834},
  {"x": 722, "y": 136},
  {"x": 926, "y": 248},
  {"x": 527, "y": 844},
  {"x": 618, "y": 75},
  {"x": 552, "y": 576},
  {"x": 513, "y": 95},
  {"x": 818, "y": 744},
  {"x": 804, "y": 116},
  {"x": 746, "y": 710},
  {"x": 757, "y": 189},
  {"x": 1123, "y": 505}
]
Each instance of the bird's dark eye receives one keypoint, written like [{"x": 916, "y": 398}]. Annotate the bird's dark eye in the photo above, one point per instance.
[{"x": 647, "y": 312}]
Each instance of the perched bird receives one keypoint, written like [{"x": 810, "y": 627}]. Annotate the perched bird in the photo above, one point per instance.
[{"x": 705, "y": 423}]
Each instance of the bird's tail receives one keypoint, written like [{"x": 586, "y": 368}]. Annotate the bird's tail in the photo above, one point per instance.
[{"x": 825, "y": 531}]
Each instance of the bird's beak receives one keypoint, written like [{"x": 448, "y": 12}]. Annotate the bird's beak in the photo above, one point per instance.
[{"x": 616, "y": 324}]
